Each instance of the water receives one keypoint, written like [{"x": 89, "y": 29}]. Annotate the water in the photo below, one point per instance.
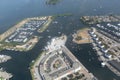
[{"x": 14, "y": 11}]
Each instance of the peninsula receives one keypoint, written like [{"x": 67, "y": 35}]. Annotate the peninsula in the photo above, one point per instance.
[
  {"x": 100, "y": 19},
  {"x": 4, "y": 75}
]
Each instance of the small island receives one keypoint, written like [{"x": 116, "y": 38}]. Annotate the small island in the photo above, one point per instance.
[
  {"x": 52, "y": 2},
  {"x": 82, "y": 36}
]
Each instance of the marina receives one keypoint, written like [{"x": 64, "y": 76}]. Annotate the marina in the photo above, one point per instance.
[
  {"x": 107, "y": 55},
  {"x": 23, "y": 59},
  {"x": 23, "y": 36},
  {"x": 15, "y": 11}
]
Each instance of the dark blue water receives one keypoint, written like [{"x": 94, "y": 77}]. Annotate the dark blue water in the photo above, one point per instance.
[{"x": 14, "y": 11}]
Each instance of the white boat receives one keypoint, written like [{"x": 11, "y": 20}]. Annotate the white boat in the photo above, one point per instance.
[
  {"x": 103, "y": 64},
  {"x": 4, "y": 58}
]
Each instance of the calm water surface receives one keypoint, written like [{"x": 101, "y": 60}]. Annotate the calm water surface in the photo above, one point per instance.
[{"x": 14, "y": 11}]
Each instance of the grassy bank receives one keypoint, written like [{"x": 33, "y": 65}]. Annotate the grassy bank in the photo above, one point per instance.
[{"x": 32, "y": 64}]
